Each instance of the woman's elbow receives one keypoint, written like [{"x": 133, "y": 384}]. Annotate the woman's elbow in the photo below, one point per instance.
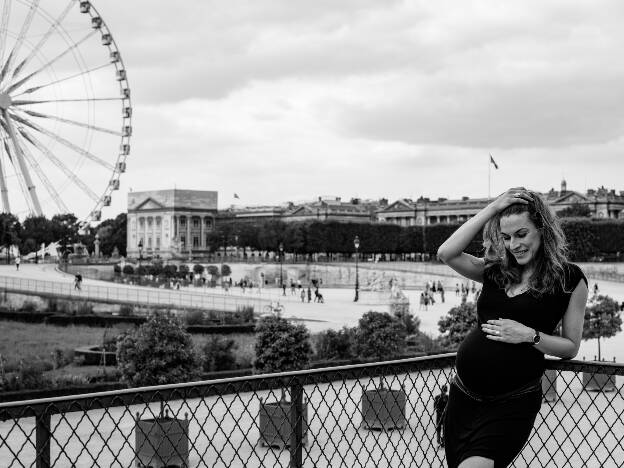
[{"x": 442, "y": 254}]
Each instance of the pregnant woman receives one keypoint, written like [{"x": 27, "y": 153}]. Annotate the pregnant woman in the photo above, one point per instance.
[{"x": 529, "y": 287}]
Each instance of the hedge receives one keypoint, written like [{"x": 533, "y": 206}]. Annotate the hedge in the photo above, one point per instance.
[{"x": 587, "y": 237}]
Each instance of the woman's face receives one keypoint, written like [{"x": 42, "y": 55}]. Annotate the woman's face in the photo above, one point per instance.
[{"x": 521, "y": 237}]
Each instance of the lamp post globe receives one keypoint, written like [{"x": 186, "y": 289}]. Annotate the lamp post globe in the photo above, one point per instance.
[
  {"x": 356, "y": 244},
  {"x": 281, "y": 256}
]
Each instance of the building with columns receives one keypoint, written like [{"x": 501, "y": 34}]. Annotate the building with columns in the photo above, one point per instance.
[
  {"x": 600, "y": 203},
  {"x": 170, "y": 223}
]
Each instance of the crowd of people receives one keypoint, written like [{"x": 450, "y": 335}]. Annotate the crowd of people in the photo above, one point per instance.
[{"x": 428, "y": 296}]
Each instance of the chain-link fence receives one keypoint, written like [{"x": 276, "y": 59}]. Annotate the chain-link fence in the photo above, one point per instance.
[{"x": 378, "y": 414}]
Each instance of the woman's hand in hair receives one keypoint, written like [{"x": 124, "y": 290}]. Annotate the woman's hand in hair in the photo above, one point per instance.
[
  {"x": 507, "y": 331},
  {"x": 511, "y": 197}
]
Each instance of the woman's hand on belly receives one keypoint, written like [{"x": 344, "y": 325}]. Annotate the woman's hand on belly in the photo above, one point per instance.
[{"x": 507, "y": 331}]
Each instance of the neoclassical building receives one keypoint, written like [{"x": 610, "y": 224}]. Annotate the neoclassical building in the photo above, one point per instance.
[
  {"x": 170, "y": 223},
  {"x": 601, "y": 203}
]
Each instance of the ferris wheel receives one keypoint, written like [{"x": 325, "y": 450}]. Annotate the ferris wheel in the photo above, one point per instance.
[{"x": 65, "y": 110}]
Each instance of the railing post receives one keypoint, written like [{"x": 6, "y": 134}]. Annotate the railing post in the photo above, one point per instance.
[
  {"x": 42, "y": 440},
  {"x": 296, "y": 424}
]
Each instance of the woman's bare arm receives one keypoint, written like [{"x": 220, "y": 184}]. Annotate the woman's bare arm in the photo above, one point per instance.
[{"x": 451, "y": 251}]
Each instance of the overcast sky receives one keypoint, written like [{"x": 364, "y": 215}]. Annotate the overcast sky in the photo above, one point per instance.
[{"x": 289, "y": 100}]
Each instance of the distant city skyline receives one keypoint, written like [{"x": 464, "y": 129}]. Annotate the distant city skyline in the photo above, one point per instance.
[{"x": 277, "y": 100}]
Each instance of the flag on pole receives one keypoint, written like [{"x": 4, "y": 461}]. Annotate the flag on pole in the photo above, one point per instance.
[
  {"x": 236, "y": 196},
  {"x": 493, "y": 162}
]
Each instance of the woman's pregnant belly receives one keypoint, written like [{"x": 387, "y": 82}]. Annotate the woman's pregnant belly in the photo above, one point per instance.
[{"x": 491, "y": 367}]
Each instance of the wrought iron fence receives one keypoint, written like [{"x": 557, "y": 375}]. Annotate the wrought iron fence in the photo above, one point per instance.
[{"x": 379, "y": 414}]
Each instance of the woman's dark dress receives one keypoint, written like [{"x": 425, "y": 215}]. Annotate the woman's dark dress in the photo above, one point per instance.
[{"x": 498, "y": 430}]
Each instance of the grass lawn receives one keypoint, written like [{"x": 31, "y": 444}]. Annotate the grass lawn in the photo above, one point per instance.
[{"x": 38, "y": 343}]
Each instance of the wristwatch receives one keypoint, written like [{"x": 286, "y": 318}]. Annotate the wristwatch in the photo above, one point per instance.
[{"x": 536, "y": 337}]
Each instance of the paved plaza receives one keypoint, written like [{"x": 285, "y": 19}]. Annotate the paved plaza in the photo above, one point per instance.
[{"x": 337, "y": 311}]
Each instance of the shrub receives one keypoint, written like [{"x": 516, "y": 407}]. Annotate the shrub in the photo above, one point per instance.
[
  {"x": 379, "y": 335},
  {"x": 141, "y": 270},
  {"x": 170, "y": 271},
  {"x": 29, "y": 307},
  {"x": 117, "y": 268},
  {"x": 457, "y": 324},
  {"x": 244, "y": 314},
  {"x": 281, "y": 346},
  {"x": 218, "y": 354},
  {"x": 183, "y": 270},
  {"x": 198, "y": 269},
  {"x": 194, "y": 317},
  {"x": 332, "y": 344},
  {"x": 155, "y": 269},
  {"x": 84, "y": 308},
  {"x": 401, "y": 311},
  {"x": 126, "y": 310},
  {"x": 158, "y": 352},
  {"x": 128, "y": 270},
  {"x": 213, "y": 270},
  {"x": 62, "y": 357},
  {"x": 226, "y": 270},
  {"x": 602, "y": 320}
]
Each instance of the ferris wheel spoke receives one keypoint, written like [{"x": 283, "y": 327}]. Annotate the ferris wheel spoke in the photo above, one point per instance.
[
  {"x": 20, "y": 40},
  {"x": 47, "y": 101},
  {"x": 73, "y": 122},
  {"x": 18, "y": 155},
  {"x": 75, "y": 45},
  {"x": 76, "y": 75},
  {"x": 32, "y": 161},
  {"x": 6, "y": 13},
  {"x": 63, "y": 141},
  {"x": 28, "y": 136},
  {"x": 45, "y": 38},
  {"x": 4, "y": 192}
]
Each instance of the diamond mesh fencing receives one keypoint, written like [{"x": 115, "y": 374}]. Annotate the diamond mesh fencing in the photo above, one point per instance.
[{"x": 369, "y": 415}]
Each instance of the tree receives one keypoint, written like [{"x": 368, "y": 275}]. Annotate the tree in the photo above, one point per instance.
[
  {"x": 218, "y": 354},
  {"x": 39, "y": 229},
  {"x": 576, "y": 210},
  {"x": 158, "y": 352},
  {"x": 602, "y": 319},
  {"x": 459, "y": 321},
  {"x": 281, "y": 346},
  {"x": 226, "y": 270},
  {"x": 10, "y": 230},
  {"x": 379, "y": 335},
  {"x": 335, "y": 344},
  {"x": 112, "y": 233},
  {"x": 198, "y": 269}
]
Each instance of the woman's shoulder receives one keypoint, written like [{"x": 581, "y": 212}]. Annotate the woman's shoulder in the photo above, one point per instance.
[{"x": 572, "y": 275}]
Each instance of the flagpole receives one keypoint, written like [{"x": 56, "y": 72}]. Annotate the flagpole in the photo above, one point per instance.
[{"x": 489, "y": 163}]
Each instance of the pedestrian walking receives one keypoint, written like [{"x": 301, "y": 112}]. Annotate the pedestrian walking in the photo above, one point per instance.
[
  {"x": 528, "y": 287},
  {"x": 303, "y": 294},
  {"x": 77, "y": 281},
  {"x": 423, "y": 302},
  {"x": 17, "y": 262},
  {"x": 456, "y": 289},
  {"x": 441, "y": 289},
  {"x": 309, "y": 294}
]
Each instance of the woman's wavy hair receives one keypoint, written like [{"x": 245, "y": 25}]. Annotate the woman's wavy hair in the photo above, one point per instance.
[{"x": 551, "y": 258}]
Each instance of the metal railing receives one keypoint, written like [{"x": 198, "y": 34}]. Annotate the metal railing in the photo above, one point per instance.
[
  {"x": 123, "y": 294},
  {"x": 379, "y": 414}
]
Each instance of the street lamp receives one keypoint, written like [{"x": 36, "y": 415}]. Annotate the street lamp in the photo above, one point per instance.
[
  {"x": 281, "y": 254},
  {"x": 140, "y": 250},
  {"x": 356, "y": 244}
]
